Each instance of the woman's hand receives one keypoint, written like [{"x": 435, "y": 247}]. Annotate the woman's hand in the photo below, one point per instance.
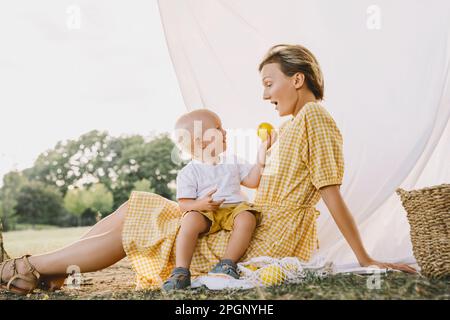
[
  {"x": 332, "y": 197},
  {"x": 382, "y": 265}
]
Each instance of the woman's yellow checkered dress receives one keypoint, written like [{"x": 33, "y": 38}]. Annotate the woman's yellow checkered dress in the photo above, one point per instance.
[{"x": 307, "y": 156}]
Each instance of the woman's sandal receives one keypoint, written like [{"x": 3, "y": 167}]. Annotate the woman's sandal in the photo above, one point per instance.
[{"x": 31, "y": 276}]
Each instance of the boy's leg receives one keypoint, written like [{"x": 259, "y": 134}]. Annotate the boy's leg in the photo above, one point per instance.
[
  {"x": 243, "y": 227},
  {"x": 192, "y": 225}
]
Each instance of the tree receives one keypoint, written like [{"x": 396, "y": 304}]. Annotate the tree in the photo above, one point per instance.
[
  {"x": 96, "y": 199},
  {"x": 12, "y": 183},
  {"x": 87, "y": 160},
  {"x": 75, "y": 202},
  {"x": 97, "y": 158},
  {"x": 143, "y": 185},
  {"x": 152, "y": 161},
  {"x": 99, "y": 199},
  {"x": 158, "y": 165},
  {"x": 3, "y": 254},
  {"x": 39, "y": 203}
]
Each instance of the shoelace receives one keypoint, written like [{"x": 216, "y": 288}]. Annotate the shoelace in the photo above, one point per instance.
[
  {"x": 180, "y": 276},
  {"x": 177, "y": 277}
]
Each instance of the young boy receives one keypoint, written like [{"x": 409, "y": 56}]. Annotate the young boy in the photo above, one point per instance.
[{"x": 212, "y": 173}]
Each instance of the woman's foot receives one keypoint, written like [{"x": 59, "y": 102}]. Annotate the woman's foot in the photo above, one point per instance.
[{"x": 18, "y": 275}]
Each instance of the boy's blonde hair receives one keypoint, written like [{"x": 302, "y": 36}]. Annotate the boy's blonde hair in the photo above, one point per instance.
[
  {"x": 185, "y": 128},
  {"x": 296, "y": 58}
]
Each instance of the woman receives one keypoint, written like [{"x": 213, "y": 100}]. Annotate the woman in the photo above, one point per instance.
[{"x": 304, "y": 164}]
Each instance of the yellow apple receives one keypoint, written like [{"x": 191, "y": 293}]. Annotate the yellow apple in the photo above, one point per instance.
[
  {"x": 264, "y": 130},
  {"x": 272, "y": 275}
]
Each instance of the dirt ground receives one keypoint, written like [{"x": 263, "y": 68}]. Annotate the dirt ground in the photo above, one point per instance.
[
  {"x": 104, "y": 284},
  {"x": 116, "y": 279},
  {"x": 117, "y": 283}
]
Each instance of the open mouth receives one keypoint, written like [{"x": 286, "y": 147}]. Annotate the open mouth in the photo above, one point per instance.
[{"x": 275, "y": 103}]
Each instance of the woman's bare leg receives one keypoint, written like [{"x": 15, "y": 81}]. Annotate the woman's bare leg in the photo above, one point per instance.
[
  {"x": 89, "y": 254},
  {"x": 108, "y": 223},
  {"x": 56, "y": 281},
  {"x": 98, "y": 249}
]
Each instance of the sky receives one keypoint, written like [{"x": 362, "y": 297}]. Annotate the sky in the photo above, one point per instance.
[{"x": 69, "y": 67}]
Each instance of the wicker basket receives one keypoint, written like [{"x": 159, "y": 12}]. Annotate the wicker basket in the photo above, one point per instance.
[{"x": 428, "y": 212}]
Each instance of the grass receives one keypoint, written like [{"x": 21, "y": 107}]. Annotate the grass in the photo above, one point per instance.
[
  {"x": 116, "y": 282},
  {"x": 18, "y": 243},
  {"x": 28, "y": 226},
  {"x": 394, "y": 286}
]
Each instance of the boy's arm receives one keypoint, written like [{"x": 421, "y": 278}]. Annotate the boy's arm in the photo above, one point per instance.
[
  {"x": 254, "y": 177},
  {"x": 205, "y": 203},
  {"x": 189, "y": 205}
]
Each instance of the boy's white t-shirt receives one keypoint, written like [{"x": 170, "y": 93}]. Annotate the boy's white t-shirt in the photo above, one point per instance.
[{"x": 196, "y": 179}]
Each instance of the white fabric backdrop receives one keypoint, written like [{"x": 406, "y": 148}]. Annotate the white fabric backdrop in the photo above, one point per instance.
[{"x": 386, "y": 84}]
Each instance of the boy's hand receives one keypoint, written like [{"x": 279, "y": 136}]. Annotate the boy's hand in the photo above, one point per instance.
[
  {"x": 265, "y": 145},
  {"x": 207, "y": 202}
]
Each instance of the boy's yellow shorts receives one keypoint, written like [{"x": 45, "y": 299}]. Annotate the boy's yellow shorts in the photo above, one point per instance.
[{"x": 223, "y": 218}]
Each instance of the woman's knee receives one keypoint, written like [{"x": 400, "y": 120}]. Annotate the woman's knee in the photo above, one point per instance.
[{"x": 118, "y": 216}]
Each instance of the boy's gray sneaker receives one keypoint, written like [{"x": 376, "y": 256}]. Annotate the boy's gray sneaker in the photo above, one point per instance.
[
  {"x": 180, "y": 278},
  {"x": 225, "y": 267}
]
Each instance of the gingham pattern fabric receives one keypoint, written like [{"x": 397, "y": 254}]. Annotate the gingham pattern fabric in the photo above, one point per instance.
[{"x": 307, "y": 156}]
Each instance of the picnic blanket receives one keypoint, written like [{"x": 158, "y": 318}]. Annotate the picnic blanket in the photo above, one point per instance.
[{"x": 267, "y": 271}]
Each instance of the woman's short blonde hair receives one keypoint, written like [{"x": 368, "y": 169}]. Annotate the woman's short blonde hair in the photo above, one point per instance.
[{"x": 296, "y": 58}]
